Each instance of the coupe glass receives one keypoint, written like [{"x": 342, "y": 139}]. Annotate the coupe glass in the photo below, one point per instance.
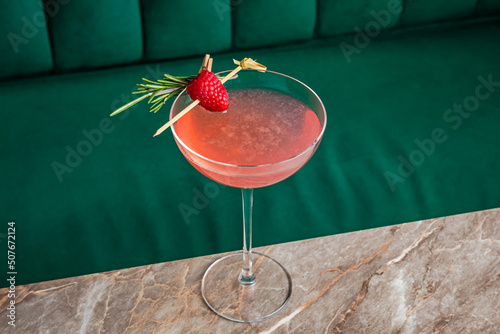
[{"x": 247, "y": 286}]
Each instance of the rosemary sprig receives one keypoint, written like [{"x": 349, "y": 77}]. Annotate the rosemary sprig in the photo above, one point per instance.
[
  {"x": 161, "y": 90},
  {"x": 158, "y": 91}
]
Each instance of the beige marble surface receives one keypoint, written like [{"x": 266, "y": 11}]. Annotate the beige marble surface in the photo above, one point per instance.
[{"x": 433, "y": 276}]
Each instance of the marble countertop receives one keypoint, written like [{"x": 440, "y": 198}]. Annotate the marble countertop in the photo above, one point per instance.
[{"x": 433, "y": 276}]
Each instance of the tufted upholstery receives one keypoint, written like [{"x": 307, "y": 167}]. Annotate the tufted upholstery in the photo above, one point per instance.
[
  {"x": 342, "y": 17},
  {"x": 80, "y": 39},
  {"x": 83, "y": 34},
  {"x": 169, "y": 35},
  {"x": 261, "y": 23},
  {"x": 24, "y": 46}
]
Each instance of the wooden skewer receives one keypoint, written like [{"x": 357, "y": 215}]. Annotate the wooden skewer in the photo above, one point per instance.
[
  {"x": 231, "y": 74},
  {"x": 209, "y": 66},
  {"x": 193, "y": 104},
  {"x": 204, "y": 64},
  {"x": 179, "y": 115}
]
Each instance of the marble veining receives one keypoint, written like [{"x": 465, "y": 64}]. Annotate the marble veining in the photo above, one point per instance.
[{"x": 434, "y": 276}]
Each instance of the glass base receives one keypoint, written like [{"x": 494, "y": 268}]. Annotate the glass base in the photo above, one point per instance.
[{"x": 224, "y": 294}]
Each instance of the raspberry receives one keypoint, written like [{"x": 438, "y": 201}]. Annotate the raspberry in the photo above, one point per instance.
[{"x": 210, "y": 91}]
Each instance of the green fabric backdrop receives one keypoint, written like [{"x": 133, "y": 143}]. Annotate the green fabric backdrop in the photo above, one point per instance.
[
  {"x": 343, "y": 17},
  {"x": 182, "y": 28},
  {"x": 488, "y": 7},
  {"x": 427, "y": 11},
  {"x": 89, "y": 34},
  {"x": 261, "y": 23},
  {"x": 24, "y": 42},
  {"x": 118, "y": 204}
]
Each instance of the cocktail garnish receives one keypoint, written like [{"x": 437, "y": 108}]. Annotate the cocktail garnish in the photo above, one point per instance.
[
  {"x": 246, "y": 63},
  {"x": 209, "y": 90},
  {"x": 204, "y": 90}
]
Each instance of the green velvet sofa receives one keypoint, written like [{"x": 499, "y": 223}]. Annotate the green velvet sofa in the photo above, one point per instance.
[{"x": 411, "y": 88}]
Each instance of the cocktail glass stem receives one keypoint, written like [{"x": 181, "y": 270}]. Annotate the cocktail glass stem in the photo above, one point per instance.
[{"x": 247, "y": 276}]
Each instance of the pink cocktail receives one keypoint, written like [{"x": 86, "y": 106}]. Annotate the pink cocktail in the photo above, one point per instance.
[
  {"x": 272, "y": 127},
  {"x": 264, "y": 137}
]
